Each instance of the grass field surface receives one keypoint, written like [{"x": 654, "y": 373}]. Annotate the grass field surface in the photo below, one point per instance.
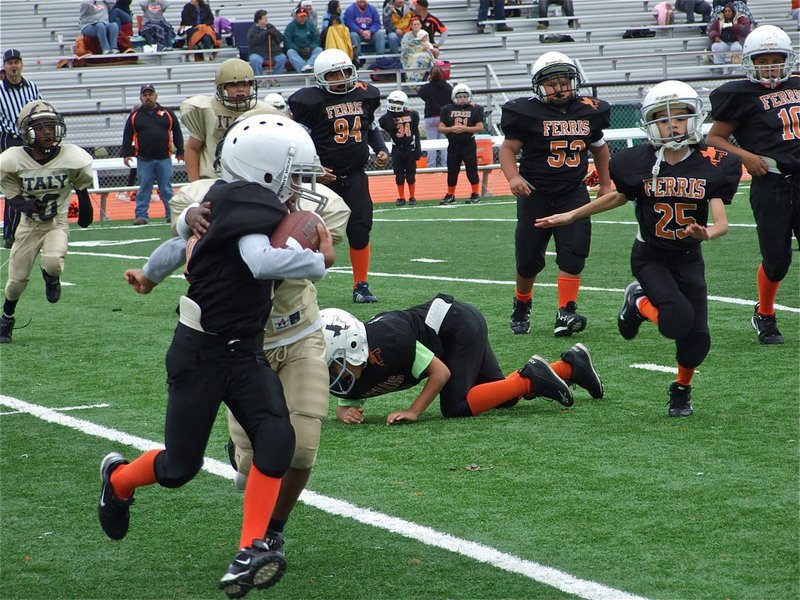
[{"x": 608, "y": 499}]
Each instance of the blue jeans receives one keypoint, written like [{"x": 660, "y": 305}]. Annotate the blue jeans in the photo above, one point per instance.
[
  {"x": 150, "y": 171},
  {"x": 298, "y": 62},
  {"x": 378, "y": 38},
  {"x": 432, "y": 131},
  {"x": 119, "y": 16},
  {"x": 257, "y": 62},
  {"x": 106, "y": 34},
  {"x": 394, "y": 43},
  {"x": 499, "y": 10}
]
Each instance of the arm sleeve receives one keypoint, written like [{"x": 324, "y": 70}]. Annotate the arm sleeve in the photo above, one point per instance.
[
  {"x": 422, "y": 360},
  {"x": 165, "y": 259},
  {"x": 293, "y": 262},
  {"x": 85, "y": 208},
  {"x": 375, "y": 139},
  {"x": 127, "y": 138}
]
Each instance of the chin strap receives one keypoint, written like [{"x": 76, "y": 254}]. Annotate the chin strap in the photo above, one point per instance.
[{"x": 657, "y": 166}]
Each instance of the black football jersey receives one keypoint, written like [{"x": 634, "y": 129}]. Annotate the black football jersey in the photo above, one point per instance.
[
  {"x": 460, "y": 114},
  {"x": 682, "y": 191},
  {"x": 402, "y": 127},
  {"x": 233, "y": 302},
  {"x": 338, "y": 123},
  {"x": 555, "y": 151},
  {"x": 769, "y": 120}
]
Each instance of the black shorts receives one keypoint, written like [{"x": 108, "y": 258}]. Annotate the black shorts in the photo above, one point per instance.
[{"x": 466, "y": 152}]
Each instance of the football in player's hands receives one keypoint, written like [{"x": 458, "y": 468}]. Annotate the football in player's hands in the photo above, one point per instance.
[{"x": 300, "y": 226}]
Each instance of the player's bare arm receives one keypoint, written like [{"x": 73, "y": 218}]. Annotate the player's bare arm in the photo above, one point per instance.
[
  {"x": 718, "y": 137},
  {"x": 351, "y": 415},
  {"x": 602, "y": 157},
  {"x": 438, "y": 375},
  {"x": 508, "y": 164},
  {"x": 711, "y": 232},
  {"x": 192, "y": 158},
  {"x": 602, "y": 204}
]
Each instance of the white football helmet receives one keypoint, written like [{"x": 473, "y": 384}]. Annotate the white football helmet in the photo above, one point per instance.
[
  {"x": 555, "y": 64},
  {"x": 289, "y": 157},
  {"x": 666, "y": 97},
  {"x": 397, "y": 101},
  {"x": 768, "y": 39},
  {"x": 235, "y": 70},
  {"x": 35, "y": 114},
  {"x": 345, "y": 342},
  {"x": 334, "y": 60},
  {"x": 275, "y": 100},
  {"x": 461, "y": 94}
]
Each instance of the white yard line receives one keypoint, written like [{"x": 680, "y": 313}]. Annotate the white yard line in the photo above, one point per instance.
[{"x": 560, "y": 580}]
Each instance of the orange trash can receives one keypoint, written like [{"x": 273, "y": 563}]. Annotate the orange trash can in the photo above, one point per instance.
[
  {"x": 422, "y": 162},
  {"x": 484, "y": 150}
]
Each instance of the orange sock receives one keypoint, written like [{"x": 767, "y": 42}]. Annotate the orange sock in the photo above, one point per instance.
[
  {"x": 126, "y": 478},
  {"x": 486, "y": 396},
  {"x": 684, "y": 375},
  {"x": 400, "y": 191},
  {"x": 411, "y": 188},
  {"x": 451, "y": 189},
  {"x": 646, "y": 309},
  {"x": 767, "y": 292},
  {"x": 523, "y": 297},
  {"x": 568, "y": 289},
  {"x": 260, "y": 497},
  {"x": 562, "y": 369},
  {"x": 476, "y": 188},
  {"x": 360, "y": 261}
]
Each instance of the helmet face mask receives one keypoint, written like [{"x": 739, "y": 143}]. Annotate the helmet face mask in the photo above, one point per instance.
[
  {"x": 555, "y": 79},
  {"x": 235, "y": 72},
  {"x": 345, "y": 344},
  {"x": 397, "y": 101},
  {"x": 462, "y": 95},
  {"x": 334, "y": 72},
  {"x": 768, "y": 56},
  {"x": 41, "y": 126},
  {"x": 666, "y": 102}
]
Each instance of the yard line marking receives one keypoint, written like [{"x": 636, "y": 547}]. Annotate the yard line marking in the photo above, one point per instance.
[
  {"x": 62, "y": 409},
  {"x": 590, "y": 590},
  {"x": 96, "y": 243},
  {"x": 653, "y": 367}
]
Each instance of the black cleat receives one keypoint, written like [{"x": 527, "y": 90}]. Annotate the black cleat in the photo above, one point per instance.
[
  {"x": 114, "y": 513},
  {"x": 256, "y": 566},
  {"x": 629, "y": 319},
  {"x": 520, "y": 321},
  {"x": 545, "y": 382},
  {"x": 6, "y": 328},
  {"x": 275, "y": 541},
  {"x": 583, "y": 372},
  {"x": 400, "y": 202},
  {"x": 52, "y": 287},
  {"x": 448, "y": 199},
  {"x": 473, "y": 199},
  {"x": 767, "y": 328},
  {"x": 680, "y": 400},
  {"x": 362, "y": 295},
  {"x": 412, "y": 201},
  {"x": 568, "y": 321}
]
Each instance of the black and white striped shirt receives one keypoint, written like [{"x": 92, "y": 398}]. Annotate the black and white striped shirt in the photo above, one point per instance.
[{"x": 12, "y": 99}]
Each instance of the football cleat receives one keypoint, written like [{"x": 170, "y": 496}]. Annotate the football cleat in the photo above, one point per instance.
[
  {"x": 629, "y": 319},
  {"x": 448, "y": 199},
  {"x": 113, "y": 512},
  {"x": 362, "y": 295},
  {"x": 521, "y": 316},
  {"x": 568, "y": 321},
  {"x": 473, "y": 199},
  {"x": 6, "y": 328},
  {"x": 412, "y": 201},
  {"x": 400, "y": 202},
  {"x": 680, "y": 400},
  {"x": 545, "y": 382},
  {"x": 583, "y": 372},
  {"x": 256, "y": 567},
  {"x": 275, "y": 541},
  {"x": 767, "y": 328},
  {"x": 52, "y": 287}
]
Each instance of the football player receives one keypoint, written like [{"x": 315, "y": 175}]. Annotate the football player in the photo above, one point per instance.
[
  {"x": 339, "y": 113},
  {"x": 445, "y": 343},
  {"x": 763, "y": 114},
  {"x": 555, "y": 130},
  {"x": 674, "y": 181},
  {"x": 217, "y": 351},
  {"x": 207, "y": 118},
  {"x": 37, "y": 179},
  {"x": 293, "y": 343},
  {"x": 402, "y": 125},
  {"x": 460, "y": 121}
]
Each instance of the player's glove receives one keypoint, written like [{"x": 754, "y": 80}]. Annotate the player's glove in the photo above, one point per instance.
[{"x": 25, "y": 204}]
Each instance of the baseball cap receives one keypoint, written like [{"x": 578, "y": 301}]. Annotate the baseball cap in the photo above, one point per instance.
[
  {"x": 11, "y": 53},
  {"x": 422, "y": 3},
  {"x": 147, "y": 87},
  {"x": 306, "y": 3},
  {"x": 302, "y": 13}
]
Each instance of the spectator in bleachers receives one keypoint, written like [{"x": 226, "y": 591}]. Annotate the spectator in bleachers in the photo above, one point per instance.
[
  {"x": 365, "y": 25},
  {"x": 302, "y": 42},
  {"x": 417, "y": 54},
  {"x": 430, "y": 23},
  {"x": 727, "y": 34},
  {"x": 690, "y": 7},
  {"x": 796, "y": 12},
  {"x": 566, "y": 8},
  {"x": 333, "y": 9},
  {"x": 739, "y": 5},
  {"x": 308, "y": 6},
  {"x": 197, "y": 23},
  {"x": 499, "y": 14},
  {"x": 436, "y": 94},
  {"x": 338, "y": 36},
  {"x": 264, "y": 44},
  {"x": 121, "y": 13},
  {"x": 155, "y": 27},
  {"x": 93, "y": 22},
  {"x": 396, "y": 20}
]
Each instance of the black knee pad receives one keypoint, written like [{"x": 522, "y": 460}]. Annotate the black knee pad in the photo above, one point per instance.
[
  {"x": 675, "y": 318},
  {"x": 571, "y": 263},
  {"x": 692, "y": 350},
  {"x": 776, "y": 271},
  {"x": 273, "y": 448},
  {"x": 174, "y": 476}
]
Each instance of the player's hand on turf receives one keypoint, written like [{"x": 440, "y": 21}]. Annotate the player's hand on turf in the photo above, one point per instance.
[
  {"x": 404, "y": 416},
  {"x": 697, "y": 231},
  {"x": 137, "y": 280},
  {"x": 382, "y": 159},
  {"x": 556, "y": 220},
  {"x": 519, "y": 186},
  {"x": 326, "y": 245},
  {"x": 197, "y": 219},
  {"x": 352, "y": 415}
]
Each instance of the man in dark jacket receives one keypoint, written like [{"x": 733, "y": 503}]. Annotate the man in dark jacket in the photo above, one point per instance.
[
  {"x": 151, "y": 132},
  {"x": 264, "y": 43}
]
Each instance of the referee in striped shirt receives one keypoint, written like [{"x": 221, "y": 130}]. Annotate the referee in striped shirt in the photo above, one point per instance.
[{"x": 15, "y": 92}]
